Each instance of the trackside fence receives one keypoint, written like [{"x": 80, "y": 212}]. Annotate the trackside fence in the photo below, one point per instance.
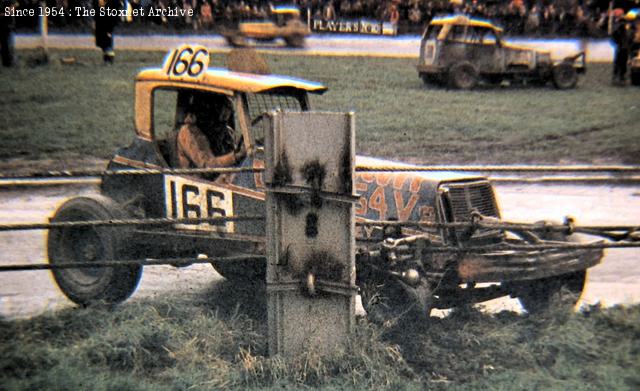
[
  {"x": 310, "y": 274},
  {"x": 617, "y": 236},
  {"x": 598, "y": 174}
]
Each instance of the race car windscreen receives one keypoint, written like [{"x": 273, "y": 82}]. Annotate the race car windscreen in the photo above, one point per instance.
[
  {"x": 264, "y": 102},
  {"x": 432, "y": 32}
]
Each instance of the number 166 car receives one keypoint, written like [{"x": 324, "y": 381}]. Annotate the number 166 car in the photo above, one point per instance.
[{"x": 389, "y": 285}]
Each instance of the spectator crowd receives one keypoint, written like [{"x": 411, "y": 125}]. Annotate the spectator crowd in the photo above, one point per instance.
[{"x": 564, "y": 18}]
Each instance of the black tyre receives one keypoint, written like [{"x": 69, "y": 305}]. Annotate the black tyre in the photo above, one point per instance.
[
  {"x": 463, "y": 76},
  {"x": 235, "y": 41},
  {"x": 538, "y": 295},
  {"x": 494, "y": 79},
  {"x": 564, "y": 76},
  {"x": 635, "y": 77},
  {"x": 430, "y": 79},
  {"x": 86, "y": 286},
  {"x": 565, "y": 291},
  {"x": 295, "y": 41},
  {"x": 249, "y": 271},
  {"x": 388, "y": 301}
]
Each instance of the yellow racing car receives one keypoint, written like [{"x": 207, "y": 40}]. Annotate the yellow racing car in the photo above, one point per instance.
[
  {"x": 284, "y": 23},
  {"x": 459, "y": 51}
]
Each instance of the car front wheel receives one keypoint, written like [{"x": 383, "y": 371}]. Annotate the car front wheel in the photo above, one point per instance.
[
  {"x": 564, "y": 76},
  {"x": 295, "y": 41},
  {"x": 85, "y": 244},
  {"x": 564, "y": 290}
]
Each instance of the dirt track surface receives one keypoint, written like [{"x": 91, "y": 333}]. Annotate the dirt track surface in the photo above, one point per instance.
[
  {"x": 338, "y": 45},
  {"x": 24, "y": 294}
]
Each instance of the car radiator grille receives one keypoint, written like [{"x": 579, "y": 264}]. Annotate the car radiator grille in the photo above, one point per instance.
[
  {"x": 461, "y": 199},
  {"x": 467, "y": 197}
]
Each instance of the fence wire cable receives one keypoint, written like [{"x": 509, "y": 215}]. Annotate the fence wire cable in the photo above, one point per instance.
[
  {"x": 126, "y": 222},
  {"x": 612, "y": 232},
  {"x": 566, "y": 179},
  {"x": 178, "y": 262},
  {"x": 124, "y": 172},
  {"x": 494, "y": 168},
  {"x": 393, "y": 244},
  {"x": 438, "y": 248},
  {"x": 360, "y": 168}
]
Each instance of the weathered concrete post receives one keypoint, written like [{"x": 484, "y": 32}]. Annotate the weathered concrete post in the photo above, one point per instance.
[{"x": 310, "y": 230}]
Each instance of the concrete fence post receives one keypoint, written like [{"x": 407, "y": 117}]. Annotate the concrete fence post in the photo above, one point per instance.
[{"x": 310, "y": 231}]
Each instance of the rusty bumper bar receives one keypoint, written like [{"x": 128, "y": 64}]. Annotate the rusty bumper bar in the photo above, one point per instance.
[{"x": 509, "y": 265}]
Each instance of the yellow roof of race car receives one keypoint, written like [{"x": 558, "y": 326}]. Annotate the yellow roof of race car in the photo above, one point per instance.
[
  {"x": 237, "y": 81},
  {"x": 285, "y": 10},
  {"x": 462, "y": 20}
]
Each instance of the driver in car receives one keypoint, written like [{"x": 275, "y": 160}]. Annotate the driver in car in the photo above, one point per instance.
[{"x": 205, "y": 140}]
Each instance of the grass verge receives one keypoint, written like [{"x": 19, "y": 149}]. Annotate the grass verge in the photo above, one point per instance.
[{"x": 216, "y": 340}]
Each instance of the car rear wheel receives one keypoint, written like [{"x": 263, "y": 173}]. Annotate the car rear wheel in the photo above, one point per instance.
[
  {"x": 86, "y": 286},
  {"x": 564, "y": 76},
  {"x": 635, "y": 78},
  {"x": 295, "y": 41},
  {"x": 463, "y": 76}
]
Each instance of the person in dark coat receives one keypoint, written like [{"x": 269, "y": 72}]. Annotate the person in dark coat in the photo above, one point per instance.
[
  {"x": 104, "y": 26},
  {"x": 7, "y": 24},
  {"x": 622, "y": 38}
]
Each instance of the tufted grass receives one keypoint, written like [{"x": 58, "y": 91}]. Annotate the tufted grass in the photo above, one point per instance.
[{"x": 216, "y": 340}]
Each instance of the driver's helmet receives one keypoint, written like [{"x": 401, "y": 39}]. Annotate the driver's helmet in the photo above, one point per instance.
[{"x": 208, "y": 109}]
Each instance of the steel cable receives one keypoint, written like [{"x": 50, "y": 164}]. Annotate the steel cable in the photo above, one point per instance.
[
  {"x": 125, "y": 222},
  {"x": 531, "y": 247},
  {"x": 179, "y": 262},
  {"x": 137, "y": 171},
  {"x": 359, "y": 168},
  {"x": 536, "y": 227},
  {"x": 495, "y": 168}
]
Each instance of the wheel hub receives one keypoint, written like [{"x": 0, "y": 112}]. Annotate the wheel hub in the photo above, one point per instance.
[{"x": 89, "y": 252}]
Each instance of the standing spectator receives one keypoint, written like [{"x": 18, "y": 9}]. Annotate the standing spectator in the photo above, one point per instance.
[
  {"x": 329, "y": 12},
  {"x": 206, "y": 15},
  {"x": 550, "y": 17},
  {"x": 635, "y": 42},
  {"x": 189, "y": 21},
  {"x": 532, "y": 24},
  {"x": 393, "y": 14},
  {"x": 345, "y": 9},
  {"x": 621, "y": 37},
  {"x": 357, "y": 8},
  {"x": 7, "y": 24},
  {"x": 104, "y": 26},
  {"x": 415, "y": 15}
]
